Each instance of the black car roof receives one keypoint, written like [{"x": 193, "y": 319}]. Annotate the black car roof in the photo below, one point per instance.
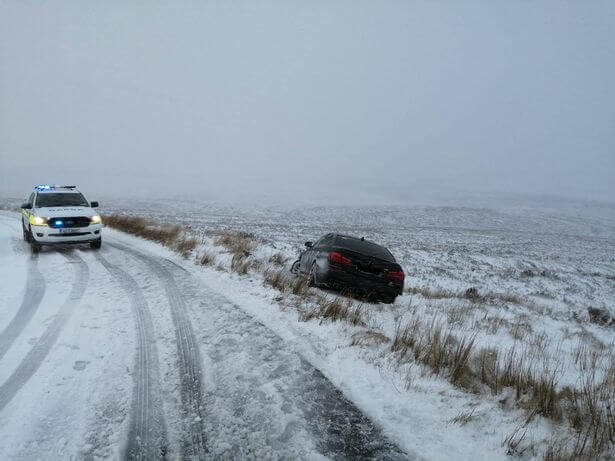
[
  {"x": 357, "y": 238},
  {"x": 390, "y": 258}
]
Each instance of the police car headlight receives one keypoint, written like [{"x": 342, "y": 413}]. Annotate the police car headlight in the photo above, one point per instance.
[
  {"x": 38, "y": 221},
  {"x": 96, "y": 219}
]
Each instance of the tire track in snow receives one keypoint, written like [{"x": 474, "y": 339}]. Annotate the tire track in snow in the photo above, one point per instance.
[
  {"x": 9, "y": 217},
  {"x": 20, "y": 247},
  {"x": 338, "y": 428},
  {"x": 346, "y": 433},
  {"x": 18, "y": 244},
  {"x": 193, "y": 443},
  {"x": 35, "y": 289},
  {"x": 35, "y": 357},
  {"x": 147, "y": 438}
]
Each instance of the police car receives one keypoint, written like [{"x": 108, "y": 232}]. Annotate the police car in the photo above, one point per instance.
[{"x": 60, "y": 215}]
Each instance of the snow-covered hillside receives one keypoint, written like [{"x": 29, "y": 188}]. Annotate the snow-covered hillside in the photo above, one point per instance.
[
  {"x": 542, "y": 285},
  {"x": 545, "y": 288}
]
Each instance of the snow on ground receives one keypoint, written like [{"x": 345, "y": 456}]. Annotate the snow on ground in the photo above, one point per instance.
[
  {"x": 541, "y": 270},
  {"x": 412, "y": 419},
  {"x": 77, "y": 380},
  {"x": 72, "y": 386}
]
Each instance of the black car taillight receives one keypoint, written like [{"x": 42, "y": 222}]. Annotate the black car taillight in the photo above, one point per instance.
[
  {"x": 336, "y": 257},
  {"x": 397, "y": 276}
]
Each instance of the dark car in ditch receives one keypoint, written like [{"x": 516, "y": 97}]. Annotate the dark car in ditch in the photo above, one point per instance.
[{"x": 351, "y": 264}]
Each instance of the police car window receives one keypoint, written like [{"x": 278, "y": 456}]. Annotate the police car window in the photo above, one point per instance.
[
  {"x": 31, "y": 199},
  {"x": 55, "y": 200}
]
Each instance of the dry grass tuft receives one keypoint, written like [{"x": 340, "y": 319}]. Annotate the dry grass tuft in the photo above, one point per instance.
[
  {"x": 521, "y": 329},
  {"x": 184, "y": 246},
  {"x": 165, "y": 233},
  {"x": 369, "y": 337},
  {"x": 276, "y": 279},
  {"x": 464, "y": 418},
  {"x": 514, "y": 441},
  {"x": 459, "y": 367},
  {"x": 591, "y": 412},
  {"x": 458, "y": 314},
  {"x": 207, "y": 259},
  {"x": 169, "y": 235},
  {"x": 472, "y": 294},
  {"x": 237, "y": 243},
  {"x": 300, "y": 286},
  {"x": 491, "y": 297},
  {"x": 434, "y": 347},
  {"x": 278, "y": 259},
  {"x": 588, "y": 409},
  {"x": 486, "y": 366},
  {"x": 431, "y": 293},
  {"x": 240, "y": 264},
  {"x": 336, "y": 309}
]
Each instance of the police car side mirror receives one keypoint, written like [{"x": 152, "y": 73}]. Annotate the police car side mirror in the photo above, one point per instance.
[
  {"x": 94, "y": 204},
  {"x": 308, "y": 244},
  {"x": 26, "y": 206}
]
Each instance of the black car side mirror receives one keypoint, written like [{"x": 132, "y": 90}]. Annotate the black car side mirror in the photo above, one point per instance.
[
  {"x": 94, "y": 204},
  {"x": 26, "y": 206},
  {"x": 308, "y": 244}
]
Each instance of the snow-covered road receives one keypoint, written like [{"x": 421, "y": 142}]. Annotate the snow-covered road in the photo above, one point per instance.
[{"x": 123, "y": 353}]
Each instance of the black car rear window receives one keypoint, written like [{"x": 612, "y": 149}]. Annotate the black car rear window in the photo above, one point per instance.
[
  {"x": 53, "y": 200},
  {"x": 364, "y": 247}
]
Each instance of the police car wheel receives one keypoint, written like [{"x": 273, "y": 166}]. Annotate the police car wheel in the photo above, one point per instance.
[
  {"x": 35, "y": 247},
  {"x": 25, "y": 233},
  {"x": 29, "y": 237},
  {"x": 96, "y": 244}
]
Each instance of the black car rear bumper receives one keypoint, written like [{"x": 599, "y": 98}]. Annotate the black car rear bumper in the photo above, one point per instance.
[{"x": 340, "y": 279}]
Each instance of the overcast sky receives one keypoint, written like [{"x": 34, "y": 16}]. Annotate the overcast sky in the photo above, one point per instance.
[{"x": 247, "y": 99}]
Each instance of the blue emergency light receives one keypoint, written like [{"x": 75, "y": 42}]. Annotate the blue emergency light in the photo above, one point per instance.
[{"x": 42, "y": 187}]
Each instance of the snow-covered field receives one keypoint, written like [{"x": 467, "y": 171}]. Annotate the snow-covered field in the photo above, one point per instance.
[
  {"x": 537, "y": 272},
  {"x": 559, "y": 259},
  {"x": 125, "y": 353}
]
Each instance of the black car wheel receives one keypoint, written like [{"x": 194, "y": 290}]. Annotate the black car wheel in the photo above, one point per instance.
[
  {"x": 96, "y": 244},
  {"x": 389, "y": 299},
  {"x": 294, "y": 269}
]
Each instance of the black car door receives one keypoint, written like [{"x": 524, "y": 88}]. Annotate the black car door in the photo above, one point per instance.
[
  {"x": 317, "y": 252},
  {"x": 320, "y": 252},
  {"x": 307, "y": 257}
]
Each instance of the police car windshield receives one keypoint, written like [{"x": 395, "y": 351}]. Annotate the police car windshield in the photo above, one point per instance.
[{"x": 55, "y": 200}]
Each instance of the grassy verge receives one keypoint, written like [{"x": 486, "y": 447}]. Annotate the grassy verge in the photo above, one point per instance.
[
  {"x": 587, "y": 409},
  {"x": 169, "y": 235}
]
